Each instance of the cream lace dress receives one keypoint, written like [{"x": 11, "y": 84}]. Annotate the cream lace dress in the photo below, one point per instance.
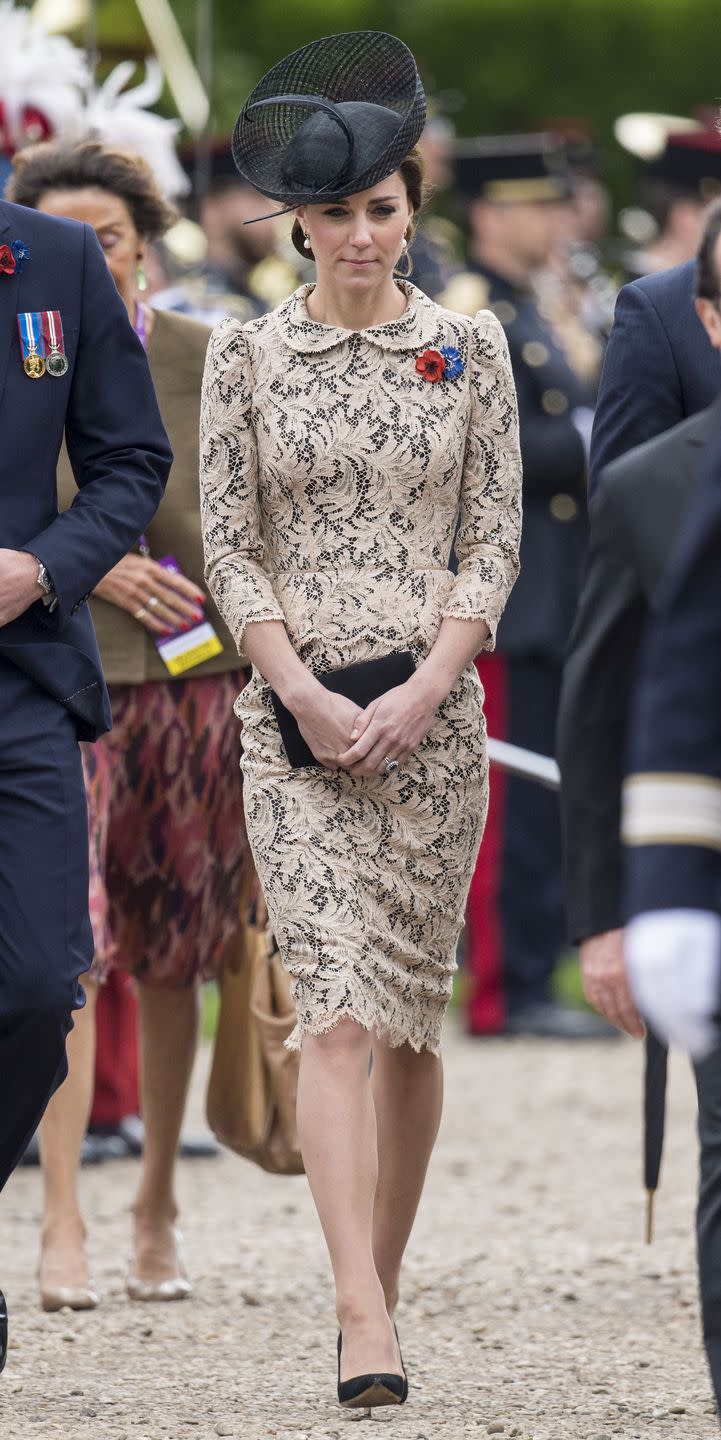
[{"x": 332, "y": 477}]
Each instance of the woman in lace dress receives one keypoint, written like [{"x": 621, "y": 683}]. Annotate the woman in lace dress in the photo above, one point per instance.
[{"x": 343, "y": 436}]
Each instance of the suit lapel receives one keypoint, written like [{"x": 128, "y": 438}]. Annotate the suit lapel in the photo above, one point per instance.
[{"x": 9, "y": 286}]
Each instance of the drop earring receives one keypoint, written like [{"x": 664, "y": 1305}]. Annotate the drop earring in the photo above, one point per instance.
[
  {"x": 306, "y": 243},
  {"x": 140, "y": 275},
  {"x": 405, "y": 243}
]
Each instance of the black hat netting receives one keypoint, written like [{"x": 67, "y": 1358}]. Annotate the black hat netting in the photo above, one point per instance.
[{"x": 367, "y": 67}]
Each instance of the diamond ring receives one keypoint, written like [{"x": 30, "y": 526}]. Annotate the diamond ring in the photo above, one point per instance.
[
  {"x": 153, "y": 601},
  {"x": 390, "y": 765}
]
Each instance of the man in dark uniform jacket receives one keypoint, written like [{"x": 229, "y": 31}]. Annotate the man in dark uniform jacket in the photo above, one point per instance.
[
  {"x": 672, "y": 826},
  {"x": 672, "y": 796},
  {"x": 639, "y": 506},
  {"x": 515, "y": 925},
  {"x": 70, "y": 365},
  {"x": 659, "y": 366}
]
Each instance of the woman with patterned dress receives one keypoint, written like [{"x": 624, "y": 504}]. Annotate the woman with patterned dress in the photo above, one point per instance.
[{"x": 343, "y": 437}]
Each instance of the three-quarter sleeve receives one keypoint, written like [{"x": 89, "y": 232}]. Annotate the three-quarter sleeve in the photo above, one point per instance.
[
  {"x": 490, "y": 503},
  {"x": 230, "y": 511}
]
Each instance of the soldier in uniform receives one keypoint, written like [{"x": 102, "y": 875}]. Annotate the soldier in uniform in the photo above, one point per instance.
[
  {"x": 672, "y": 798},
  {"x": 242, "y": 272},
  {"x": 680, "y": 174},
  {"x": 672, "y": 828},
  {"x": 437, "y": 247},
  {"x": 513, "y": 188}
]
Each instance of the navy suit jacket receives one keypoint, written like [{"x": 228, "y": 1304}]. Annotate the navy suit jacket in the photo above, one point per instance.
[
  {"x": 673, "y": 803},
  {"x": 660, "y": 366},
  {"x": 105, "y": 407}
]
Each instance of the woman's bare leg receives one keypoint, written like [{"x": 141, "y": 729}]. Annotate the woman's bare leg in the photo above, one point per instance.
[
  {"x": 408, "y": 1096},
  {"x": 168, "y": 1029},
  {"x": 63, "y": 1264},
  {"x": 337, "y": 1131}
]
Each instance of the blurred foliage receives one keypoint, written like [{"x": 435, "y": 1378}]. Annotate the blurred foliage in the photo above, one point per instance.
[{"x": 503, "y": 64}]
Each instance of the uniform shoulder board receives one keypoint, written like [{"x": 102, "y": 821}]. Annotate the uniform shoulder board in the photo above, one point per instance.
[{"x": 465, "y": 293}]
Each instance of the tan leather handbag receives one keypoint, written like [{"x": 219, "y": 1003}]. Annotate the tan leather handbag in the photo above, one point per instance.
[{"x": 253, "y": 1082}]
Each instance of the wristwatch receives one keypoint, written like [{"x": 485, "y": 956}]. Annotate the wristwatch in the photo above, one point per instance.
[{"x": 49, "y": 597}]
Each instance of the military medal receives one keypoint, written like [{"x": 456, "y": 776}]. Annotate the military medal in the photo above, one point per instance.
[
  {"x": 32, "y": 344},
  {"x": 56, "y": 360}
]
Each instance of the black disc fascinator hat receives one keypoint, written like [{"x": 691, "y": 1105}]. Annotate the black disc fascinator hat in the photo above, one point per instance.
[{"x": 333, "y": 118}]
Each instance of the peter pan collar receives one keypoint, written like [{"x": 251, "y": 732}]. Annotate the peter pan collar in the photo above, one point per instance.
[{"x": 415, "y": 329}]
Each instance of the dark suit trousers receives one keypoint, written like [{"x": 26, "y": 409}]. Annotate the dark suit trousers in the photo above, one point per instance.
[
  {"x": 45, "y": 935},
  {"x": 708, "y": 1216},
  {"x": 531, "y": 891}
]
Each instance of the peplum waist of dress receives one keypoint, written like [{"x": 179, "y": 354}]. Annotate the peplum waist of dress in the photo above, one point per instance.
[{"x": 337, "y": 617}]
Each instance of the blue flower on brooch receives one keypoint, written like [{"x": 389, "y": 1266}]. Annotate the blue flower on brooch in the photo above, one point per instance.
[
  {"x": 21, "y": 253},
  {"x": 454, "y": 363}
]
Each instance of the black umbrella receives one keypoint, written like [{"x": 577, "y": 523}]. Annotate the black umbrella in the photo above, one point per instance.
[{"x": 654, "y": 1117}]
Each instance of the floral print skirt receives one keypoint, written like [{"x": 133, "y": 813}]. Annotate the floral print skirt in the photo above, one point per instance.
[{"x": 167, "y": 834}]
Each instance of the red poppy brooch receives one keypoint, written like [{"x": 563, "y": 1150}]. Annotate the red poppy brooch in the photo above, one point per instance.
[
  {"x": 443, "y": 364},
  {"x": 13, "y": 257}
]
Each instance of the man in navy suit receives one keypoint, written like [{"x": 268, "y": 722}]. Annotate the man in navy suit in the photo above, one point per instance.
[
  {"x": 70, "y": 365},
  {"x": 659, "y": 366}
]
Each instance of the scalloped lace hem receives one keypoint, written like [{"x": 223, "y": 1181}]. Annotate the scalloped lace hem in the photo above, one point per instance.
[{"x": 396, "y": 1035}]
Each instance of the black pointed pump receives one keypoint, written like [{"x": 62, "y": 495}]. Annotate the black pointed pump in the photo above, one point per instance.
[{"x": 367, "y": 1392}]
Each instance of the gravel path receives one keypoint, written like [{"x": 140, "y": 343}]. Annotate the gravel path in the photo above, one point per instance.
[{"x": 531, "y": 1309}]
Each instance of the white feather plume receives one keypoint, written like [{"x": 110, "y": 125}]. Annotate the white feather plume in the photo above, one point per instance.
[
  {"x": 117, "y": 116},
  {"x": 46, "y": 72}
]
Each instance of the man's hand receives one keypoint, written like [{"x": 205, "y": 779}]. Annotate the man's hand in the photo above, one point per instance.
[
  {"x": 674, "y": 968},
  {"x": 605, "y": 982},
  {"x": 19, "y": 587}
]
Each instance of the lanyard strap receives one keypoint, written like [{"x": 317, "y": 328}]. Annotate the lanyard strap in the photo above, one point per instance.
[{"x": 140, "y": 326}]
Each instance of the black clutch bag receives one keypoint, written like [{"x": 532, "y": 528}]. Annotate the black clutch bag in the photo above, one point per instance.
[{"x": 361, "y": 683}]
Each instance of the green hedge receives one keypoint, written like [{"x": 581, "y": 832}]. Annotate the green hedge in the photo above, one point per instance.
[{"x": 514, "y": 63}]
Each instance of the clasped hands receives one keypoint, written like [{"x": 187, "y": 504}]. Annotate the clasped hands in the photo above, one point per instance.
[{"x": 343, "y": 736}]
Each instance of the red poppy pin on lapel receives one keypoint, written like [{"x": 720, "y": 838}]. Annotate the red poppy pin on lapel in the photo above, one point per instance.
[
  {"x": 13, "y": 257},
  {"x": 443, "y": 364}
]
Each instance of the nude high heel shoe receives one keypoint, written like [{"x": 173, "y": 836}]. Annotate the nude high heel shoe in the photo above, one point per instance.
[
  {"x": 177, "y": 1287},
  {"x": 56, "y": 1294}
]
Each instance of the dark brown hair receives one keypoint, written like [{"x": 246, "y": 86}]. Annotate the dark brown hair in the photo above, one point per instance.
[
  {"x": 708, "y": 280},
  {"x": 412, "y": 173},
  {"x": 40, "y": 168}
]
